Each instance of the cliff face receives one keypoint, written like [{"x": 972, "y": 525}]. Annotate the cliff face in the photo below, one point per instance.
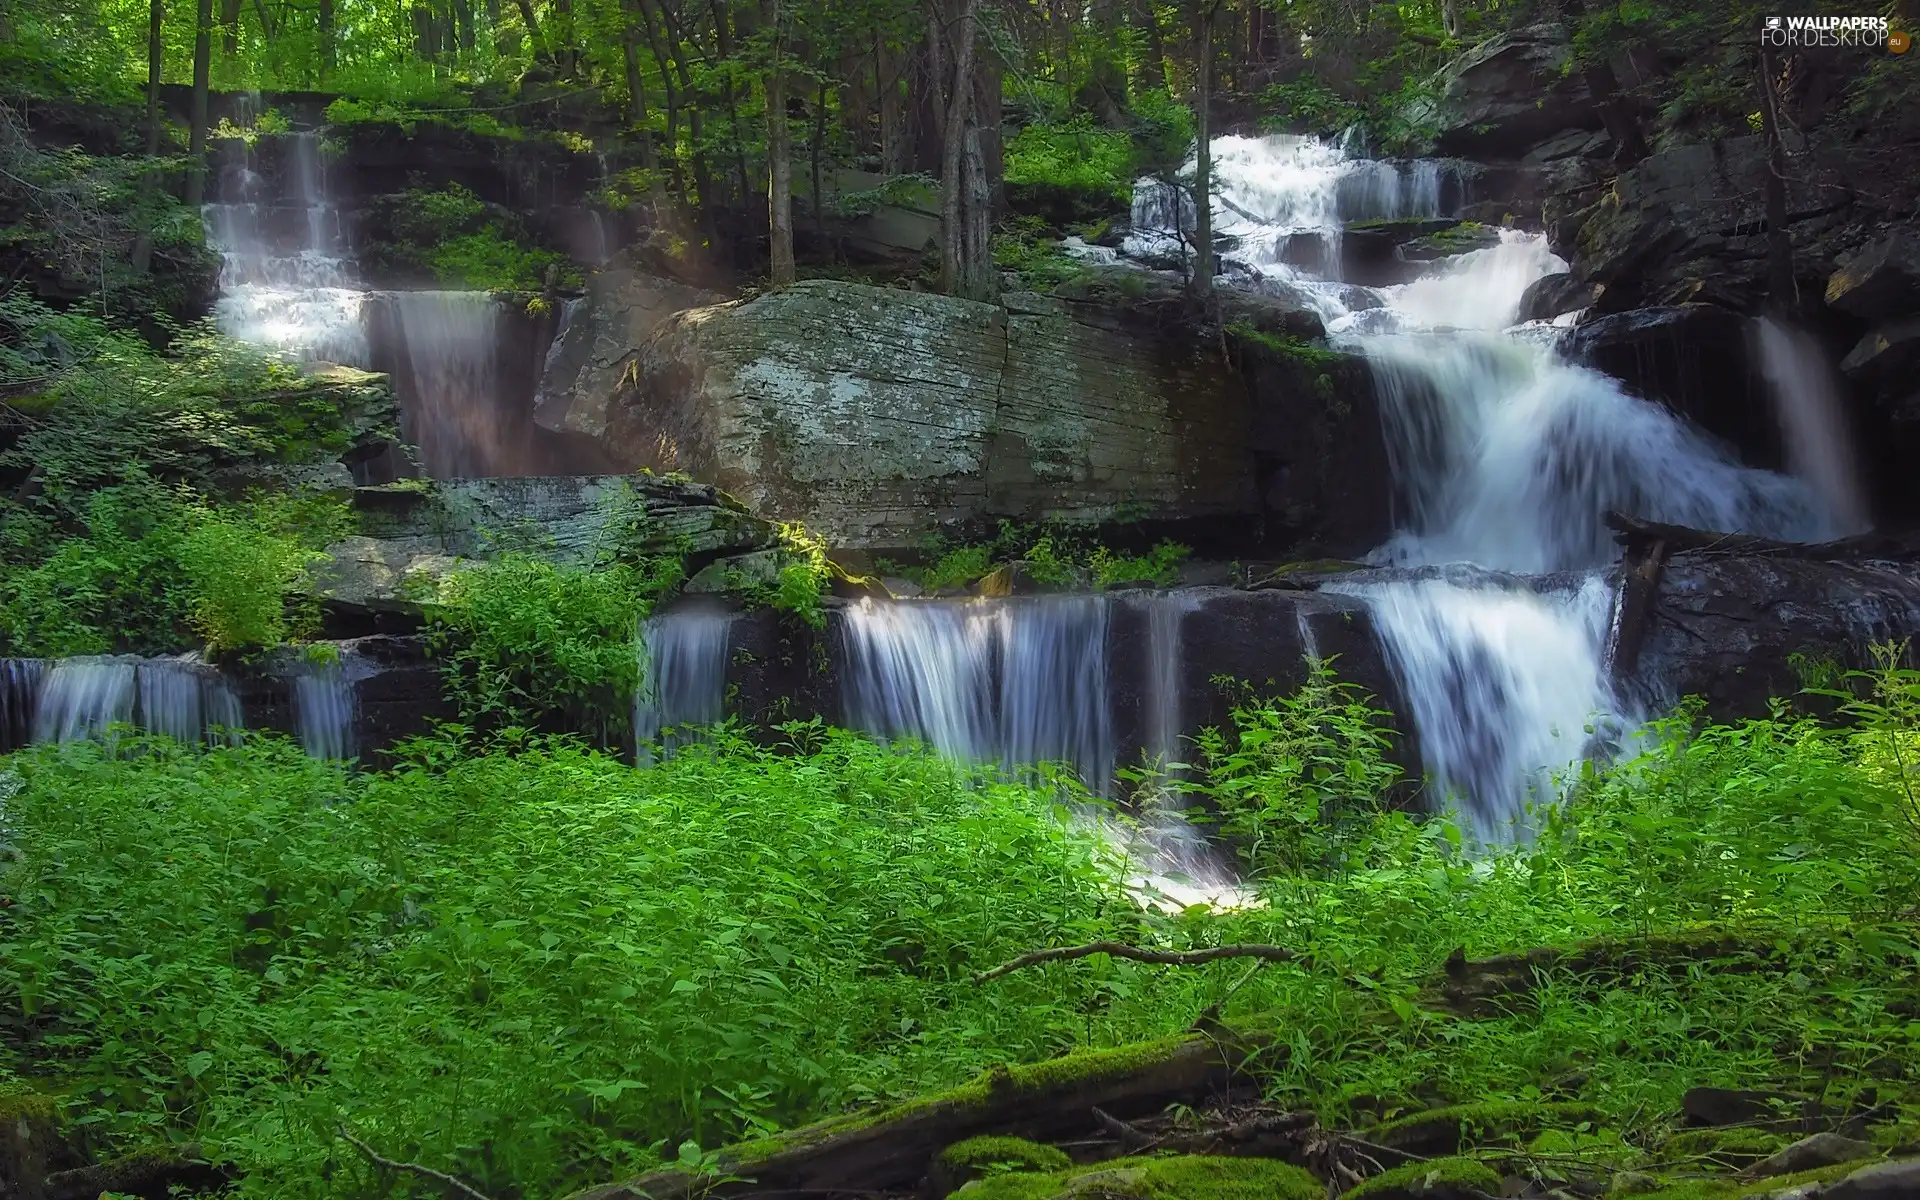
[{"x": 867, "y": 412}]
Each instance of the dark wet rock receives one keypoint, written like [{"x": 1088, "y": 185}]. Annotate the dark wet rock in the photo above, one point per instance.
[
  {"x": 1887, "y": 360},
  {"x": 1553, "y": 295},
  {"x": 1899, "y": 1180},
  {"x": 1879, "y": 281},
  {"x": 1810, "y": 1153},
  {"x": 1698, "y": 361},
  {"x": 1370, "y": 251},
  {"x": 1711, "y": 1106},
  {"x": 1502, "y": 97},
  {"x": 1463, "y": 238},
  {"x": 1741, "y": 629},
  {"x": 1689, "y": 224}
]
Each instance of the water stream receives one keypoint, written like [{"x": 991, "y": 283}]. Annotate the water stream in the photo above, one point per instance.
[{"x": 683, "y": 681}]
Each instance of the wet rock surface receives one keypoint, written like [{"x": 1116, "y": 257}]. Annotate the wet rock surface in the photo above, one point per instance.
[
  {"x": 1502, "y": 97},
  {"x": 599, "y": 337}
]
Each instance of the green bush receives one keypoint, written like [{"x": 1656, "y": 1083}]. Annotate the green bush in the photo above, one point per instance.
[
  {"x": 451, "y": 233},
  {"x": 541, "y": 971},
  {"x": 1075, "y": 155}
]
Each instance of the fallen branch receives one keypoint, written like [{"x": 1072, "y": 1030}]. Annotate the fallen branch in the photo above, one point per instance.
[
  {"x": 1165, "y": 958},
  {"x": 440, "y": 1177}
]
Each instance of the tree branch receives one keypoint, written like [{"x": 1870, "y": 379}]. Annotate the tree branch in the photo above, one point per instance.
[
  {"x": 1169, "y": 958},
  {"x": 440, "y": 1177}
]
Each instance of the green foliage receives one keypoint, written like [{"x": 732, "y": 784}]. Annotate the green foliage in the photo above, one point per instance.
[
  {"x": 347, "y": 112},
  {"x": 1026, "y": 246},
  {"x": 540, "y": 971},
  {"x": 531, "y": 643},
  {"x": 1076, "y": 156},
  {"x": 147, "y": 564},
  {"x": 1309, "y": 102},
  {"x": 804, "y": 578},
  {"x": 1159, "y": 566},
  {"x": 450, "y": 233},
  {"x": 1299, "y": 776},
  {"x": 957, "y": 568}
]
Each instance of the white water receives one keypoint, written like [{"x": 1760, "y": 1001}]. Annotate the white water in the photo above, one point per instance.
[
  {"x": 1807, "y": 400},
  {"x": 452, "y": 380},
  {"x": 1507, "y": 458},
  {"x": 83, "y": 698},
  {"x": 1010, "y": 682},
  {"x": 326, "y": 706},
  {"x": 684, "y": 680}
]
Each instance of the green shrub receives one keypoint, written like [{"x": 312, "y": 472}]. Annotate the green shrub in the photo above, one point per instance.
[
  {"x": 452, "y": 234},
  {"x": 1076, "y": 156}
]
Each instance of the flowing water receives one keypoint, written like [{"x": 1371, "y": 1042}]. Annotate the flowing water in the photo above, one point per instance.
[
  {"x": 1506, "y": 458},
  {"x": 684, "y": 680},
  {"x": 326, "y": 706}
]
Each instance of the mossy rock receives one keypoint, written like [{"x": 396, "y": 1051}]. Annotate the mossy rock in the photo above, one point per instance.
[
  {"x": 963, "y": 1162},
  {"x": 1187, "y": 1177},
  {"x": 1742, "y": 1189},
  {"x": 1732, "y": 1147},
  {"x": 1434, "y": 1179},
  {"x": 29, "y": 1139},
  {"x": 1447, "y": 1130}
]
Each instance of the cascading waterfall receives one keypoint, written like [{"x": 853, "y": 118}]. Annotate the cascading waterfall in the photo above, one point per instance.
[
  {"x": 1819, "y": 447},
  {"x": 285, "y": 278},
  {"x": 84, "y": 697},
  {"x": 1010, "y": 682},
  {"x": 20, "y": 680},
  {"x": 684, "y": 680},
  {"x": 72, "y": 699},
  {"x": 326, "y": 706},
  {"x": 1506, "y": 458},
  {"x": 452, "y": 383}
]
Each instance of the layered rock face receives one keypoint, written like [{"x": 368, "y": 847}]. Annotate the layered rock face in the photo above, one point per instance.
[{"x": 870, "y": 413}]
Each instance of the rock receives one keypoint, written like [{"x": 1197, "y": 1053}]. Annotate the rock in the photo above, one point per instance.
[
  {"x": 1689, "y": 224},
  {"x": 1810, "y": 1153},
  {"x": 1741, "y": 629},
  {"x": 1898, "y": 1180},
  {"x": 1553, "y": 295},
  {"x": 1370, "y": 250},
  {"x": 1432, "y": 1179},
  {"x": 29, "y": 1141},
  {"x": 1698, "y": 361},
  {"x": 1880, "y": 280},
  {"x": 598, "y": 336},
  {"x": 1448, "y": 1130},
  {"x": 869, "y": 413},
  {"x": 422, "y": 531},
  {"x": 1711, "y": 1106},
  {"x": 759, "y": 568},
  {"x": 1509, "y": 92},
  {"x": 1887, "y": 360},
  {"x": 1464, "y": 238}
]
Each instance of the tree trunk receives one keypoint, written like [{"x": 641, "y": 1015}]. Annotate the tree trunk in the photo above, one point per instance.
[
  {"x": 327, "y": 52},
  {"x": 1151, "y": 72},
  {"x": 723, "y": 39},
  {"x": 197, "y": 128},
  {"x": 536, "y": 44},
  {"x": 560, "y": 29},
  {"x": 953, "y": 73},
  {"x": 630, "y": 60},
  {"x": 1782, "y": 294},
  {"x": 1450, "y": 17},
  {"x": 779, "y": 162},
  {"x": 887, "y": 62},
  {"x": 816, "y": 149},
  {"x": 229, "y": 27},
  {"x": 142, "y": 256},
  {"x": 1202, "y": 280}
]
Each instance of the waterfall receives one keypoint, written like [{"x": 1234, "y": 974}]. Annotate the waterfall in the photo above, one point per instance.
[
  {"x": 186, "y": 700},
  {"x": 683, "y": 681},
  {"x": 1807, "y": 400},
  {"x": 83, "y": 697},
  {"x": 1011, "y": 682},
  {"x": 285, "y": 279},
  {"x": 451, "y": 383},
  {"x": 326, "y": 706},
  {"x": 1505, "y": 459},
  {"x": 20, "y": 680}
]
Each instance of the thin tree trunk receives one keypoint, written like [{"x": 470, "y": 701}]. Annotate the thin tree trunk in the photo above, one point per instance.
[
  {"x": 230, "y": 27},
  {"x": 536, "y": 44},
  {"x": 816, "y": 147},
  {"x": 893, "y": 133},
  {"x": 197, "y": 128},
  {"x": 723, "y": 41},
  {"x": 327, "y": 52},
  {"x": 1202, "y": 281},
  {"x": 956, "y": 86},
  {"x": 779, "y": 161},
  {"x": 1782, "y": 293},
  {"x": 142, "y": 256},
  {"x": 560, "y": 28}
]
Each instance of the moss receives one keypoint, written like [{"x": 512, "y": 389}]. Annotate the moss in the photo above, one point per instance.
[
  {"x": 1734, "y": 1147},
  {"x": 1197, "y": 1177},
  {"x": 1294, "y": 349},
  {"x": 1435, "y": 1177},
  {"x": 1444, "y": 1130},
  {"x": 1738, "y": 1189},
  {"x": 18, "y": 1103},
  {"x": 1019, "y": 1185},
  {"x": 982, "y": 1152}
]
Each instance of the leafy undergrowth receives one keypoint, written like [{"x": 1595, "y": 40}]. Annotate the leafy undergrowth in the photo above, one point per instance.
[{"x": 546, "y": 968}]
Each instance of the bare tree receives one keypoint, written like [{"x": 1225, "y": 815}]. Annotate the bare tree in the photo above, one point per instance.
[
  {"x": 779, "y": 158},
  {"x": 966, "y": 201}
]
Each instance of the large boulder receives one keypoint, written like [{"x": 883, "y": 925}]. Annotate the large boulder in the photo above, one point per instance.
[
  {"x": 1879, "y": 281},
  {"x": 1510, "y": 92},
  {"x": 1698, "y": 361},
  {"x": 1689, "y": 224},
  {"x": 868, "y": 413},
  {"x": 597, "y": 339},
  {"x": 1741, "y": 629}
]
